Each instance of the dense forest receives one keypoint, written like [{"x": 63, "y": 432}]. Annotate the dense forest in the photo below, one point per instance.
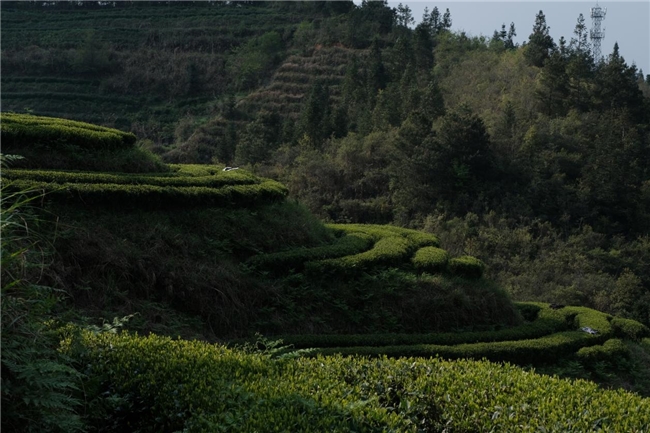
[{"x": 533, "y": 158}]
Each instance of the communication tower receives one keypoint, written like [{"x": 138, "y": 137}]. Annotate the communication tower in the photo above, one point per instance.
[{"x": 597, "y": 35}]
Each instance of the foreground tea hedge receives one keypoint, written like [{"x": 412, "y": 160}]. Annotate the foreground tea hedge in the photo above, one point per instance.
[
  {"x": 24, "y": 130},
  {"x": 158, "y": 384}
]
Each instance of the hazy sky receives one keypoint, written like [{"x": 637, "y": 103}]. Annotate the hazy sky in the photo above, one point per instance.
[{"x": 626, "y": 22}]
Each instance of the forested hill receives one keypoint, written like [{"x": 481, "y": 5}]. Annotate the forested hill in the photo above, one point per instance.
[{"x": 533, "y": 158}]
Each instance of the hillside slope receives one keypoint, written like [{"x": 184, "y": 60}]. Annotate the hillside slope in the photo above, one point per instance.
[{"x": 204, "y": 252}]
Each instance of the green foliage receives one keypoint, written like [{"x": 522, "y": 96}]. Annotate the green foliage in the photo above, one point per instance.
[
  {"x": 164, "y": 384},
  {"x": 152, "y": 196},
  {"x": 540, "y": 328},
  {"x": 612, "y": 350},
  {"x": 23, "y": 130},
  {"x": 430, "y": 259},
  {"x": 389, "y": 251},
  {"x": 529, "y": 311},
  {"x": 48, "y": 142},
  {"x": 546, "y": 349},
  {"x": 190, "y": 186},
  {"x": 629, "y": 329},
  {"x": 215, "y": 179},
  {"x": 552, "y": 336},
  {"x": 466, "y": 266},
  {"x": 38, "y": 386},
  {"x": 294, "y": 259}
]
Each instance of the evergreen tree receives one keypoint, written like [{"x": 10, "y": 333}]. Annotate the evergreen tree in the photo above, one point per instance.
[
  {"x": 617, "y": 87},
  {"x": 376, "y": 77},
  {"x": 579, "y": 68},
  {"x": 259, "y": 139},
  {"x": 404, "y": 15},
  {"x": 579, "y": 43},
  {"x": 509, "y": 44},
  {"x": 315, "y": 122},
  {"x": 423, "y": 49},
  {"x": 432, "y": 104},
  {"x": 540, "y": 42},
  {"x": 553, "y": 86},
  {"x": 446, "y": 20}
]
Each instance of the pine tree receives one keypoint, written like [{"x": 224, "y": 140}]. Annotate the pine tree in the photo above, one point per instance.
[
  {"x": 509, "y": 43},
  {"x": 579, "y": 43},
  {"x": 423, "y": 49},
  {"x": 540, "y": 42}
]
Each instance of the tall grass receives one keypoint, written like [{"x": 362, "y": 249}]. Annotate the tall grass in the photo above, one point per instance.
[{"x": 38, "y": 387}]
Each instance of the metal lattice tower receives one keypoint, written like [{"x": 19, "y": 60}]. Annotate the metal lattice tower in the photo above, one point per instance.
[{"x": 597, "y": 35}]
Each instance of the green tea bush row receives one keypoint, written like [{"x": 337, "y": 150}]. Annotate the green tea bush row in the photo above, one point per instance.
[
  {"x": 548, "y": 348},
  {"x": 214, "y": 181},
  {"x": 583, "y": 317},
  {"x": 21, "y": 130},
  {"x": 388, "y": 251},
  {"x": 466, "y": 266},
  {"x": 627, "y": 328},
  {"x": 537, "y": 329},
  {"x": 539, "y": 341},
  {"x": 284, "y": 261},
  {"x": 416, "y": 238},
  {"x": 151, "y": 196},
  {"x": 430, "y": 259},
  {"x": 529, "y": 310},
  {"x": 158, "y": 384},
  {"x": 611, "y": 350},
  {"x": 376, "y": 232},
  {"x": 200, "y": 170}
]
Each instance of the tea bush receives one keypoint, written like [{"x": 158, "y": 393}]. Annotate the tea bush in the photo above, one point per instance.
[
  {"x": 538, "y": 329},
  {"x": 152, "y": 196},
  {"x": 627, "y": 328},
  {"x": 545, "y": 349},
  {"x": 388, "y": 251},
  {"x": 158, "y": 384},
  {"x": 430, "y": 259},
  {"x": 612, "y": 350},
  {"x": 284, "y": 261},
  {"x": 466, "y": 266},
  {"x": 555, "y": 334},
  {"x": 417, "y": 239},
  {"x": 163, "y": 179},
  {"x": 23, "y": 130}
]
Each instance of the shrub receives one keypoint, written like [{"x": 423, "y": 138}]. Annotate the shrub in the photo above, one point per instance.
[
  {"x": 529, "y": 311},
  {"x": 430, "y": 259},
  {"x": 416, "y": 238},
  {"x": 548, "y": 348},
  {"x": 627, "y": 328},
  {"x": 38, "y": 384},
  {"x": 163, "y": 179},
  {"x": 537, "y": 329},
  {"x": 23, "y": 130},
  {"x": 284, "y": 261},
  {"x": 155, "y": 197},
  {"x": 610, "y": 351},
  {"x": 466, "y": 266},
  {"x": 388, "y": 251},
  {"x": 583, "y": 317},
  {"x": 159, "y": 384}
]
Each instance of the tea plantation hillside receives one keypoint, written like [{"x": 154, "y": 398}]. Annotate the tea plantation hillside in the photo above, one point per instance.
[
  {"x": 218, "y": 254},
  {"x": 143, "y": 66}
]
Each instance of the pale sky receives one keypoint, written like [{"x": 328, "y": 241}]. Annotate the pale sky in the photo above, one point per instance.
[{"x": 626, "y": 22}]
